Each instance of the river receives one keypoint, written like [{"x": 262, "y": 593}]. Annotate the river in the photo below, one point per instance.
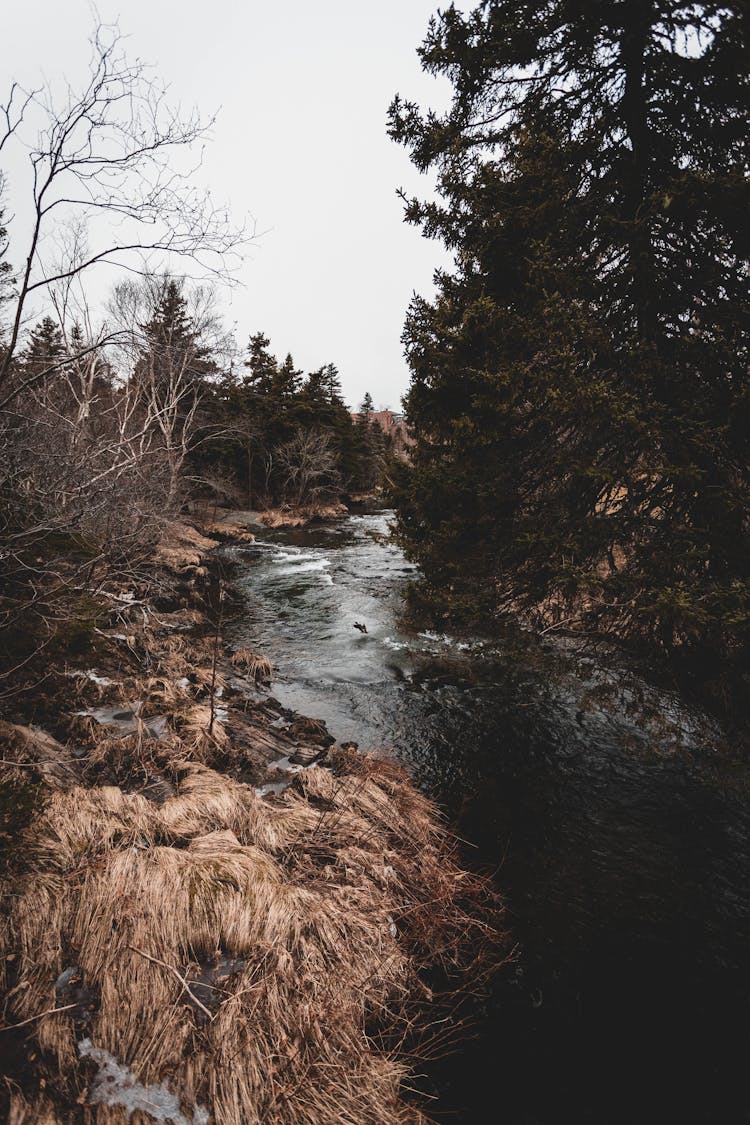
[{"x": 615, "y": 819}]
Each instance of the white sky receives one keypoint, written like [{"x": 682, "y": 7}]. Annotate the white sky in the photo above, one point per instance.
[{"x": 300, "y": 145}]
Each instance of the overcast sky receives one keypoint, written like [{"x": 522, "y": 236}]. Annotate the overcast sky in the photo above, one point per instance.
[{"x": 300, "y": 145}]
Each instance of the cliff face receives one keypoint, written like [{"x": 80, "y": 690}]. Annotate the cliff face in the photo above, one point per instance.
[{"x": 214, "y": 913}]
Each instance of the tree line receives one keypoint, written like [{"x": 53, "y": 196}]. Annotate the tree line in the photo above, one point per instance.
[
  {"x": 104, "y": 443},
  {"x": 280, "y": 436},
  {"x": 580, "y": 394}
]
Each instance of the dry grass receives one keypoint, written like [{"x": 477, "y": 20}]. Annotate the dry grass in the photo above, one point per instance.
[
  {"x": 201, "y": 733},
  {"x": 182, "y": 546},
  {"x": 299, "y": 517},
  {"x": 30, "y": 747},
  {"x": 299, "y": 898},
  {"x": 254, "y": 665}
]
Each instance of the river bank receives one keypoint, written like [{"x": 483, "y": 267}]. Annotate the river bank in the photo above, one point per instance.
[{"x": 212, "y": 913}]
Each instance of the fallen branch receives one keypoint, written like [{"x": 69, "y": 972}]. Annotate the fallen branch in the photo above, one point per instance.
[{"x": 179, "y": 976}]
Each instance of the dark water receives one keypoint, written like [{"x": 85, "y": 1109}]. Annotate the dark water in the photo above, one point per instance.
[{"x": 617, "y": 821}]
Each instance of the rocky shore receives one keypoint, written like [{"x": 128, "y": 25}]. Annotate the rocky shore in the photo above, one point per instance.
[{"x": 211, "y": 912}]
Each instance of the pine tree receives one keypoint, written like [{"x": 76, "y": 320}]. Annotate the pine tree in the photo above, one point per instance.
[
  {"x": 288, "y": 379},
  {"x": 580, "y": 390},
  {"x": 370, "y": 445},
  {"x": 366, "y": 408},
  {"x": 44, "y": 350},
  {"x": 171, "y": 338},
  {"x": 332, "y": 385},
  {"x": 262, "y": 367}
]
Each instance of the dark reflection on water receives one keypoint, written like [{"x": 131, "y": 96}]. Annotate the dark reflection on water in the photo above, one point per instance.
[{"x": 617, "y": 821}]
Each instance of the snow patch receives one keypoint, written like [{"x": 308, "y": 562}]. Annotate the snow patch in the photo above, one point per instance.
[{"x": 115, "y": 1084}]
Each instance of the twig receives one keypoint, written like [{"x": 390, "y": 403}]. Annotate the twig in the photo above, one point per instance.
[
  {"x": 31, "y": 1019},
  {"x": 179, "y": 976}
]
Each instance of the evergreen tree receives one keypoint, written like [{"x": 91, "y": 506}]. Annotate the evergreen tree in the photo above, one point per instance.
[
  {"x": 314, "y": 396},
  {"x": 332, "y": 385},
  {"x": 580, "y": 390},
  {"x": 366, "y": 408},
  {"x": 262, "y": 367},
  {"x": 288, "y": 379},
  {"x": 172, "y": 341},
  {"x": 370, "y": 445},
  {"x": 45, "y": 348}
]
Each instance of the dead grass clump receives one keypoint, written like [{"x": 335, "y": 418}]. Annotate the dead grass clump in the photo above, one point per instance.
[
  {"x": 228, "y": 529},
  {"x": 161, "y": 693},
  {"x": 201, "y": 730},
  {"x": 288, "y": 516},
  {"x": 41, "y": 1111},
  {"x": 182, "y": 546},
  {"x": 256, "y": 666},
  {"x": 241, "y": 951}
]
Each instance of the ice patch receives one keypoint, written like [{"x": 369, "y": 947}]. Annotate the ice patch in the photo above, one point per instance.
[
  {"x": 125, "y": 719},
  {"x": 90, "y": 674},
  {"x": 115, "y": 1084},
  {"x": 279, "y": 786},
  {"x": 273, "y": 787},
  {"x": 286, "y": 765}
]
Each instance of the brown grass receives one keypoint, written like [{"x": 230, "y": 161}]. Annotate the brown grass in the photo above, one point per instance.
[
  {"x": 299, "y": 898},
  {"x": 254, "y": 665},
  {"x": 182, "y": 546},
  {"x": 288, "y": 516}
]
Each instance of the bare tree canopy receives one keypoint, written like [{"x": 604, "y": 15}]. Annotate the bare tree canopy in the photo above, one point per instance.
[{"x": 112, "y": 181}]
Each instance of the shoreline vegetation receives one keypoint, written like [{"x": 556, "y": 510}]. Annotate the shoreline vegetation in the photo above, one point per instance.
[{"x": 212, "y": 912}]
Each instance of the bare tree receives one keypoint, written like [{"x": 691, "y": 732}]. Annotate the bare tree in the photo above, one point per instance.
[
  {"x": 310, "y": 467},
  {"x": 104, "y": 163}
]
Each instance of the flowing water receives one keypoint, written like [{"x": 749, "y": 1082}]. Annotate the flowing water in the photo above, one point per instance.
[{"x": 615, "y": 818}]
